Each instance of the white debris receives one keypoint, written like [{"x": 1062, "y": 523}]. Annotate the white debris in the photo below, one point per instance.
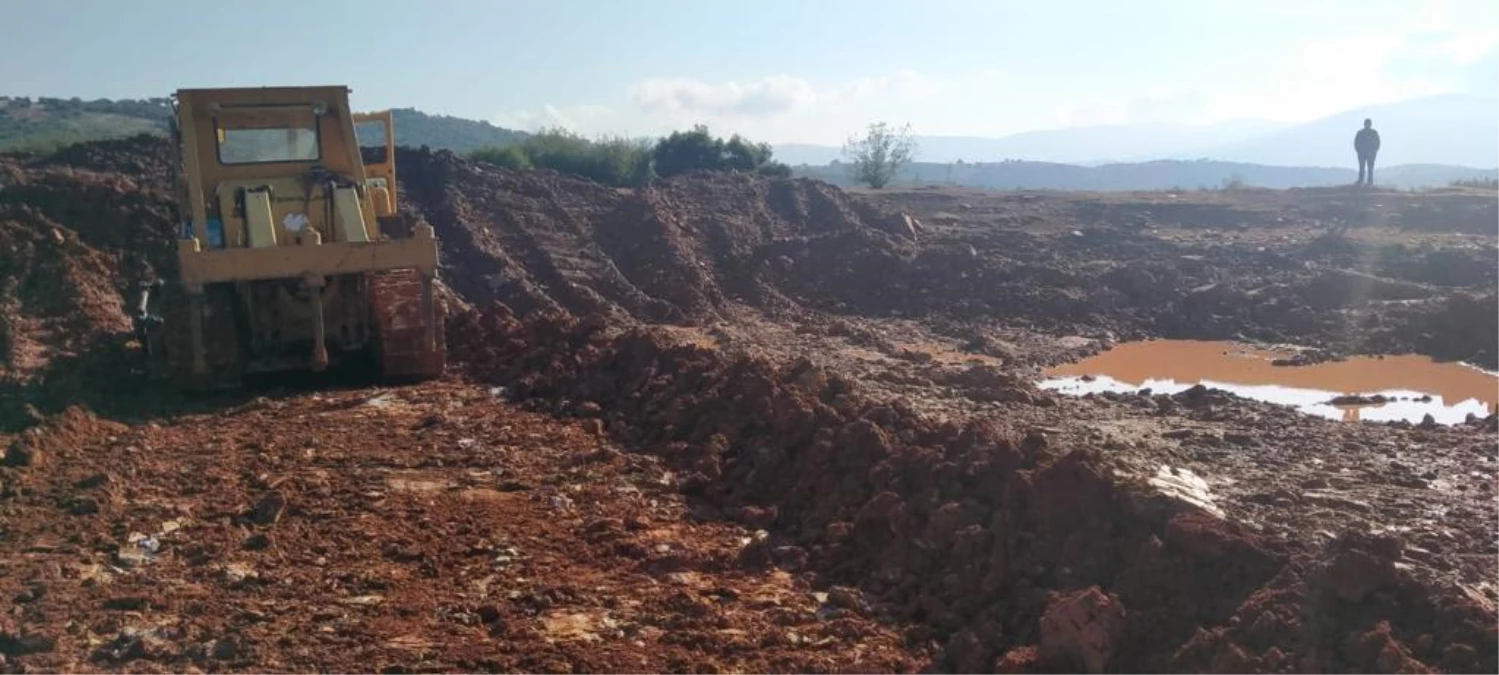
[{"x": 1187, "y": 486}]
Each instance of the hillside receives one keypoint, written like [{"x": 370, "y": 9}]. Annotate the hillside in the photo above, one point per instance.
[
  {"x": 415, "y": 128},
  {"x": 48, "y": 123}
]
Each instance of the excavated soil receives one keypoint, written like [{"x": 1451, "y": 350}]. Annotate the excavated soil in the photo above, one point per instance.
[
  {"x": 389, "y": 530},
  {"x": 733, "y": 423},
  {"x": 680, "y": 252}
]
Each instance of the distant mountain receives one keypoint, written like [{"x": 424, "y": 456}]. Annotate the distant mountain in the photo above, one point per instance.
[
  {"x": 1076, "y": 145},
  {"x": 1434, "y": 138},
  {"x": 1447, "y": 129},
  {"x": 47, "y": 123},
  {"x": 1155, "y": 175},
  {"x": 1451, "y": 129},
  {"x": 416, "y": 128}
]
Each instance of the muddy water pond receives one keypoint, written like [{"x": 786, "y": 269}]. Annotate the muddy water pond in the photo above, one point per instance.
[{"x": 1404, "y": 387}]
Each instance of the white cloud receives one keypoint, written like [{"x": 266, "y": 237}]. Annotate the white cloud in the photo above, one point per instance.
[
  {"x": 1315, "y": 78},
  {"x": 581, "y": 118},
  {"x": 776, "y": 96},
  {"x": 904, "y": 84},
  {"x": 777, "y": 108},
  {"x": 1325, "y": 76},
  {"x": 1468, "y": 48},
  {"x": 1091, "y": 113},
  {"x": 1289, "y": 82},
  {"x": 768, "y": 96}
]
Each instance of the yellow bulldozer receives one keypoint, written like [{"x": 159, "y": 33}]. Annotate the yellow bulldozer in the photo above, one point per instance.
[{"x": 292, "y": 253}]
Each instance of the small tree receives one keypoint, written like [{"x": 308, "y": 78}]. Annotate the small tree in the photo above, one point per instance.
[
  {"x": 742, "y": 155},
  {"x": 875, "y": 159},
  {"x": 685, "y": 151},
  {"x": 699, "y": 149}
]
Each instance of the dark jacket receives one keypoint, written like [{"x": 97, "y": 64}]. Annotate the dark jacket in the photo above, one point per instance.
[{"x": 1366, "y": 142}]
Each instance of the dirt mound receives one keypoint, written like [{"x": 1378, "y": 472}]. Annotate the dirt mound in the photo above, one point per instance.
[
  {"x": 966, "y": 529},
  {"x": 74, "y": 244},
  {"x": 1357, "y": 611},
  {"x": 702, "y": 248},
  {"x": 146, "y": 158},
  {"x": 109, "y": 212},
  {"x": 1459, "y": 327},
  {"x": 677, "y": 251},
  {"x": 690, "y": 249},
  {"x": 57, "y": 293}
]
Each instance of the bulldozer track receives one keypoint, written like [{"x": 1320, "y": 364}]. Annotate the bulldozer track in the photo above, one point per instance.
[
  {"x": 222, "y": 351},
  {"x": 401, "y": 327}
]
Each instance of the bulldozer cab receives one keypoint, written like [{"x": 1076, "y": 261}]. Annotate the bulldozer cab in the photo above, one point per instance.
[
  {"x": 255, "y": 156},
  {"x": 282, "y": 258}
]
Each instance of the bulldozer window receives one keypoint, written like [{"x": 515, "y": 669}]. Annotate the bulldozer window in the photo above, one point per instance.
[
  {"x": 253, "y": 139},
  {"x": 371, "y": 141}
]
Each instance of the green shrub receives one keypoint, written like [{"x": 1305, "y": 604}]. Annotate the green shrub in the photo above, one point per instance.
[
  {"x": 698, "y": 149},
  {"x": 622, "y": 162},
  {"x": 612, "y": 161},
  {"x": 509, "y": 157}
]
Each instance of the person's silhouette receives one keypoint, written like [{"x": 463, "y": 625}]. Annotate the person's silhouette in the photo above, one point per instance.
[{"x": 1366, "y": 144}]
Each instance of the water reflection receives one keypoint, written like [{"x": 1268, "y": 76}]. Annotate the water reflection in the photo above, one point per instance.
[{"x": 1414, "y": 386}]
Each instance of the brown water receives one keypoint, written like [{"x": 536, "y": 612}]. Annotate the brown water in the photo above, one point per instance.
[{"x": 1167, "y": 366}]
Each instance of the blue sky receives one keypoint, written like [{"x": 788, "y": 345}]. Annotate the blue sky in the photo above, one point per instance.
[{"x": 806, "y": 71}]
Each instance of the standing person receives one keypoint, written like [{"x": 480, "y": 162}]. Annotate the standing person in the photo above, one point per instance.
[{"x": 1366, "y": 144}]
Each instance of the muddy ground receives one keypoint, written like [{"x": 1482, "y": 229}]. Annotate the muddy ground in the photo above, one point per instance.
[{"x": 730, "y": 423}]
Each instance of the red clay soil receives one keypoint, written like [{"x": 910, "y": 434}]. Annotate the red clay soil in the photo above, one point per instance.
[
  {"x": 780, "y": 507},
  {"x": 684, "y": 250},
  {"x": 678, "y": 251},
  {"x": 689, "y": 250},
  {"x": 73, "y": 241},
  {"x": 974, "y": 532},
  {"x": 74, "y": 245},
  {"x": 58, "y": 294},
  {"x": 417, "y": 529}
]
